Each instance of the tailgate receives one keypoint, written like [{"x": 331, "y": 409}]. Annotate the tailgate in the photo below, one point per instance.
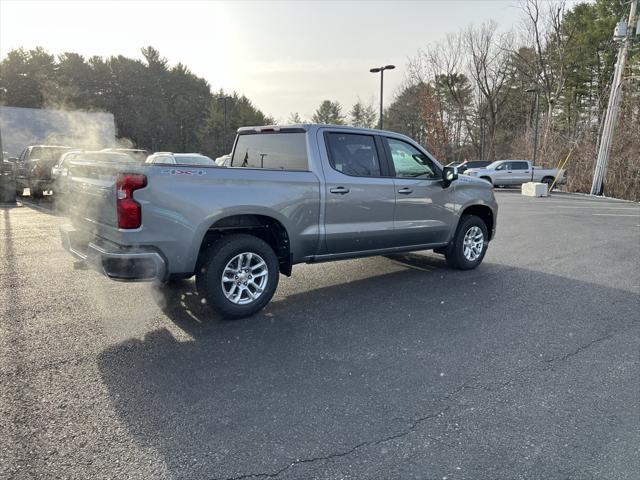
[
  {"x": 40, "y": 169},
  {"x": 92, "y": 192}
]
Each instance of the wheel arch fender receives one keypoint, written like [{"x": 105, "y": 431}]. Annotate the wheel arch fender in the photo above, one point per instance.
[
  {"x": 484, "y": 211},
  {"x": 241, "y": 218}
]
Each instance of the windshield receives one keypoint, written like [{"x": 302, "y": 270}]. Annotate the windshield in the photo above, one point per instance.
[
  {"x": 108, "y": 157},
  {"x": 494, "y": 164},
  {"x": 68, "y": 157},
  {"x": 44, "y": 153},
  {"x": 193, "y": 160}
]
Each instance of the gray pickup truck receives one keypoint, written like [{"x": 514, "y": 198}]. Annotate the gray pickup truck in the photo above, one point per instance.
[{"x": 294, "y": 194}]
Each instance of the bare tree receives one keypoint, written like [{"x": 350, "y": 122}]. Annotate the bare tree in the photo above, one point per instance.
[
  {"x": 444, "y": 66},
  {"x": 490, "y": 67},
  {"x": 543, "y": 30}
]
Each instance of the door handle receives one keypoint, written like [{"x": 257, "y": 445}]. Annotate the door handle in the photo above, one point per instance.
[
  {"x": 405, "y": 191},
  {"x": 339, "y": 190}
]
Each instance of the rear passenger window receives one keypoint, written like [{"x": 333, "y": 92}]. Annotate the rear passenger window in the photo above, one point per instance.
[
  {"x": 519, "y": 165},
  {"x": 273, "y": 151},
  {"x": 353, "y": 154}
]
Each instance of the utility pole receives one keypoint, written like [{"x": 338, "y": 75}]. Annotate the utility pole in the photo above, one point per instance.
[{"x": 613, "y": 106}]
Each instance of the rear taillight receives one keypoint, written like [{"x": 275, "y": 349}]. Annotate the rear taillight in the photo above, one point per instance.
[{"x": 129, "y": 211}]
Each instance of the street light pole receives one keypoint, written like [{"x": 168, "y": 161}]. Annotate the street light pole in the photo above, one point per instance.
[
  {"x": 381, "y": 70},
  {"x": 535, "y": 131}
]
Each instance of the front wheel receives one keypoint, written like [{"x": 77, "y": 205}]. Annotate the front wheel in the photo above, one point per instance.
[
  {"x": 469, "y": 245},
  {"x": 238, "y": 275}
]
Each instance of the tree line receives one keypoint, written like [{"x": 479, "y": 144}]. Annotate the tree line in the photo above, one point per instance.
[{"x": 155, "y": 106}]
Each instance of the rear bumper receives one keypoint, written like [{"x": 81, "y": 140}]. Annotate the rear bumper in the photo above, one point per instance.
[{"x": 112, "y": 260}]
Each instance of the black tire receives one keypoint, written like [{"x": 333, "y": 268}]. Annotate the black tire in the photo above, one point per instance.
[
  {"x": 455, "y": 251},
  {"x": 211, "y": 267},
  {"x": 548, "y": 180}
]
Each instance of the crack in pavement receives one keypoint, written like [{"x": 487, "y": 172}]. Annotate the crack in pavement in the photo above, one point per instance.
[
  {"x": 584, "y": 347},
  {"x": 416, "y": 423},
  {"x": 369, "y": 443}
]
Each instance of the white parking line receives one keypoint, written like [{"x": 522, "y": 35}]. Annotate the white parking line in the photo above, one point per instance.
[
  {"x": 601, "y": 208},
  {"x": 614, "y": 215},
  {"x": 576, "y": 204},
  {"x": 564, "y": 201}
]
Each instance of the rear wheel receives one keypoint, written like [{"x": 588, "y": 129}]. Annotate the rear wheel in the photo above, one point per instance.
[
  {"x": 469, "y": 245},
  {"x": 549, "y": 181},
  {"x": 238, "y": 275}
]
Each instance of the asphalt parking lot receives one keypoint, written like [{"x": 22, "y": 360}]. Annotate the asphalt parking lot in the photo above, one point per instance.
[{"x": 380, "y": 368}]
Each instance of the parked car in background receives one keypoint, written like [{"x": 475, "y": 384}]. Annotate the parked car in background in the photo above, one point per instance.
[
  {"x": 168, "y": 158},
  {"x": 8, "y": 166},
  {"x": 467, "y": 164},
  {"x": 305, "y": 193},
  {"x": 517, "y": 172},
  {"x": 33, "y": 168},
  {"x": 461, "y": 166},
  {"x": 138, "y": 154},
  {"x": 60, "y": 172}
]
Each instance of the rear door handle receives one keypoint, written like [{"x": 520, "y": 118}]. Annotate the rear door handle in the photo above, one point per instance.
[
  {"x": 405, "y": 191},
  {"x": 339, "y": 190}
]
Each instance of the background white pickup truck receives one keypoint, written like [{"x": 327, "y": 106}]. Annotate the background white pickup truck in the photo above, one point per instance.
[{"x": 517, "y": 172}]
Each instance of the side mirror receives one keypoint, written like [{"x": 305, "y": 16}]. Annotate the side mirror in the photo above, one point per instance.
[{"x": 449, "y": 174}]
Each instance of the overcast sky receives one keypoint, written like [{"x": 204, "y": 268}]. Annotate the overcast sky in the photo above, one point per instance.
[{"x": 285, "y": 56}]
